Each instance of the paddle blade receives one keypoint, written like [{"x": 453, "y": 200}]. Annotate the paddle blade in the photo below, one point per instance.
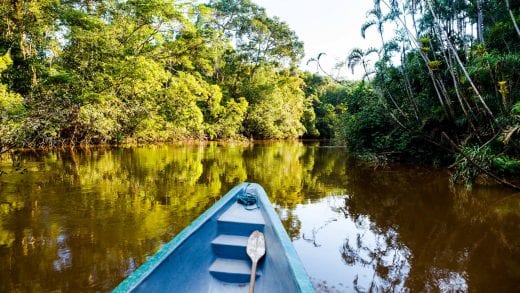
[{"x": 256, "y": 246}]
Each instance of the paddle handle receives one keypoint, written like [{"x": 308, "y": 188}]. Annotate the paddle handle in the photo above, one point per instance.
[{"x": 253, "y": 276}]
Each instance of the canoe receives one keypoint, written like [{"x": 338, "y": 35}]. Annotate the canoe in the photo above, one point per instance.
[{"x": 210, "y": 254}]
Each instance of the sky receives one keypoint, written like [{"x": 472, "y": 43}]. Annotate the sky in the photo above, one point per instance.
[{"x": 329, "y": 26}]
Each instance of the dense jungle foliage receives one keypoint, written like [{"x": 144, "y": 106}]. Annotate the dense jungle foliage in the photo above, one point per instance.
[
  {"x": 442, "y": 88},
  {"x": 119, "y": 71},
  {"x": 445, "y": 86}
]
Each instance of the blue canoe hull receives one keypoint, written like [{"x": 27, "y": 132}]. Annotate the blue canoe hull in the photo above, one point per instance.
[{"x": 210, "y": 255}]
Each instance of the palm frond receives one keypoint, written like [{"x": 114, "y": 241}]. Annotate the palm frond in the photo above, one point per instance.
[
  {"x": 366, "y": 26},
  {"x": 311, "y": 60}
]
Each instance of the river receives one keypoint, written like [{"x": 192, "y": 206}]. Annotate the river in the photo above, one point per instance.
[{"x": 82, "y": 220}]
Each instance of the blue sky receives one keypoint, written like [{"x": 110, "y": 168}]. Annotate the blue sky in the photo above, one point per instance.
[{"x": 329, "y": 26}]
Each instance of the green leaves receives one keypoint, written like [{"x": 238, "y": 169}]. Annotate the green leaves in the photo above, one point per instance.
[
  {"x": 276, "y": 105},
  {"x": 124, "y": 71},
  {"x": 12, "y": 111},
  {"x": 259, "y": 38},
  {"x": 516, "y": 109},
  {"x": 5, "y": 62}
]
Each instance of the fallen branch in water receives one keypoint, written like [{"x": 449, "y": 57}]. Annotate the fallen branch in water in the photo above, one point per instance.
[
  {"x": 484, "y": 170},
  {"x": 457, "y": 150}
]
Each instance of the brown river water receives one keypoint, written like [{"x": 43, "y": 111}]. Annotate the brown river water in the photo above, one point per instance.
[{"x": 80, "y": 221}]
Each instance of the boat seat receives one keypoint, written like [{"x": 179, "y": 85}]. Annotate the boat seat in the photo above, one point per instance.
[
  {"x": 232, "y": 270},
  {"x": 230, "y": 246},
  {"x": 232, "y": 264},
  {"x": 239, "y": 221}
]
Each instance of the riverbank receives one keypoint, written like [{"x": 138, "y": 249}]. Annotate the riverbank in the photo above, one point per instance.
[{"x": 381, "y": 161}]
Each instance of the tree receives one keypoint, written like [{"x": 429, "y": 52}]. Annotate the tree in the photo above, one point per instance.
[
  {"x": 258, "y": 38},
  {"x": 453, "y": 89},
  {"x": 28, "y": 33},
  {"x": 276, "y": 105},
  {"x": 12, "y": 111}
]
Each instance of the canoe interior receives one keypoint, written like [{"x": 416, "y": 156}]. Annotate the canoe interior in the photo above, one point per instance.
[{"x": 210, "y": 254}]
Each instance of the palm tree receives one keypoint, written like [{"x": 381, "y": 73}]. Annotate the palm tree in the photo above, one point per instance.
[
  {"x": 320, "y": 68},
  {"x": 359, "y": 56},
  {"x": 375, "y": 17},
  {"x": 317, "y": 61}
]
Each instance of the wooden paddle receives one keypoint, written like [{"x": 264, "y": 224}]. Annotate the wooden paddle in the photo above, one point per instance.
[{"x": 255, "y": 250}]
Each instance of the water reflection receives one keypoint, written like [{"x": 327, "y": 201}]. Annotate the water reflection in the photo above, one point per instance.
[
  {"x": 343, "y": 254},
  {"x": 405, "y": 229},
  {"x": 83, "y": 220}
]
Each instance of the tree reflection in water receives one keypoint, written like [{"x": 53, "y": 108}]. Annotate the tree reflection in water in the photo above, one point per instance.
[
  {"x": 381, "y": 252},
  {"x": 406, "y": 229},
  {"x": 82, "y": 220}
]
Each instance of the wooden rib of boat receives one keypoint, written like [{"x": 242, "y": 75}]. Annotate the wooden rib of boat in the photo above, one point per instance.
[{"x": 210, "y": 254}]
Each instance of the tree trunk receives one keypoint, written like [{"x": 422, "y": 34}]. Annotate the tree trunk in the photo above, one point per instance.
[
  {"x": 480, "y": 22},
  {"x": 457, "y": 58},
  {"x": 513, "y": 18}
]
